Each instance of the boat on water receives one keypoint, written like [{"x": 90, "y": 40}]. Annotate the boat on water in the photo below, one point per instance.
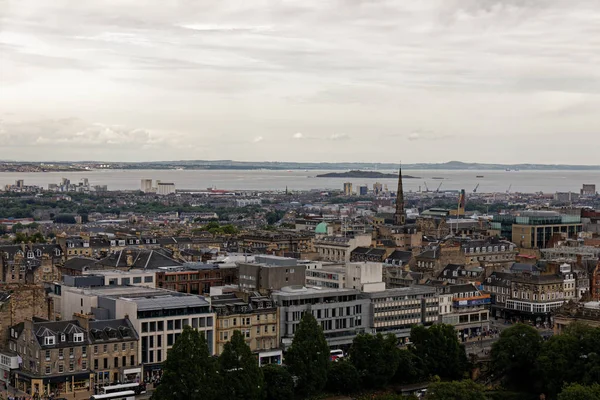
[
  {"x": 436, "y": 177},
  {"x": 479, "y": 176}
]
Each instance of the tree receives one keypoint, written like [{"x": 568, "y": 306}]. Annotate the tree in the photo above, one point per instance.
[
  {"x": 515, "y": 354},
  {"x": 579, "y": 392},
  {"x": 64, "y": 219},
  {"x": 189, "y": 372},
  {"x": 239, "y": 368},
  {"x": 463, "y": 390},
  {"x": 343, "y": 378},
  {"x": 411, "y": 369},
  {"x": 308, "y": 357},
  {"x": 560, "y": 361},
  {"x": 279, "y": 384},
  {"x": 375, "y": 358},
  {"x": 440, "y": 350}
]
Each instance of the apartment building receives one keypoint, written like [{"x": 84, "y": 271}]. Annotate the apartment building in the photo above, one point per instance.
[
  {"x": 256, "y": 318},
  {"x": 54, "y": 357},
  {"x": 113, "y": 350},
  {"x": 339, "y": 248},
  {"x": 341, "y": 313}
]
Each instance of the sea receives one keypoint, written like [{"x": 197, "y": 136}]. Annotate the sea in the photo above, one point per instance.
[{"x": 493, "y": 181}]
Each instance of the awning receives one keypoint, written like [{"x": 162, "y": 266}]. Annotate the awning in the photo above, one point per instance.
[
  {"x": 132, "y": 371},
  {"x": 67, "y": 378}
]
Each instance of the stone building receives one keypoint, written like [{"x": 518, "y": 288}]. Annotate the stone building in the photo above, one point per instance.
[
  {"x": 113, "y": 350},
  {"x": 257, "y": 319},
  {"x": 30, "y": 263},
  {"x": 19, "y": 302},
  {"x": 54, "y": 357}
]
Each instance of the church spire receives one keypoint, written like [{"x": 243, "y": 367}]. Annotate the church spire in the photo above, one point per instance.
[{"x": 400, "y": 215}]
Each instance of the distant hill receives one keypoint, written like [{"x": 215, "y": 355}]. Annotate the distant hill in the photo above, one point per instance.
[{"x": 283, "y": 165}]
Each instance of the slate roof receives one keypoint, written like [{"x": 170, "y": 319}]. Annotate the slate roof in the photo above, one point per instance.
[
  {"x": 112, "y": 330},
  {"x": 141, "y": 259},
  {"x": 79, "y": 263}
]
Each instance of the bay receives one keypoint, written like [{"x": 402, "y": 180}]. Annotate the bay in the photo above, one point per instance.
[{"x": 492, "y": 182}]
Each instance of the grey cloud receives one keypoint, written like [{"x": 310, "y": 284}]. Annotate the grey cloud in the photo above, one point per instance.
[{"x": 252, "y": 70}]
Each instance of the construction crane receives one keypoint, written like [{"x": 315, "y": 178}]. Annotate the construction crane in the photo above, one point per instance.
[
  {"x": 438, "y": 188},
  {"x": 426, "y": 188},
  {"x": 476, "y": 187},
  {"x": 508, "y": 190}
]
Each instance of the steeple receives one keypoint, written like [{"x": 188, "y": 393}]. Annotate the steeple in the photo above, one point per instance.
[{"x": 400, "y": 215}]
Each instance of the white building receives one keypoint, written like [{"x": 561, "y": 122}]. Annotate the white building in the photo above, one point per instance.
[
  {"x": 339, "y": 248},
  {"x": 365, "y": 276},
  {"x": 146, "y": 185},
  {"x": 164, "y": 188},
  {"x": 157, "y": 315}
]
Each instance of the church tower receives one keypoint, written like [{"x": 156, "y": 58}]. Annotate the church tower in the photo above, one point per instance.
[{"x": 400, "y": 215}]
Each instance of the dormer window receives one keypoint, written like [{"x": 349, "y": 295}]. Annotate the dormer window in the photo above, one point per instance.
[
  {"x": 78, "y": 337},
  {"x": 57, "y": 252},
  {"x": 38, "y": 253},
  {"x": 49, "y": 340},
  {"x": 30, "y": 254},
  {"x": 63, "y": 337}
]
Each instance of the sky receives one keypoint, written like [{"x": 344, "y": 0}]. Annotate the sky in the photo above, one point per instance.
[{"x": 498, "y": 81}]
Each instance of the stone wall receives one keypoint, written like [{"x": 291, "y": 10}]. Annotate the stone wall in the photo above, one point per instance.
[{"x": 25, "y": 302}]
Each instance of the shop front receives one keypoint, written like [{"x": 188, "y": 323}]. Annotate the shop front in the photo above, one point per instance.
[
  {"x": 152, "y": 373},
  {"x": 53, "y": 386},
  {"x": 132, "y": 374}
]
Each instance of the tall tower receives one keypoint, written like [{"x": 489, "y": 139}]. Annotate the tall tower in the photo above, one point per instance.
[{"x": 400, "y": 215}]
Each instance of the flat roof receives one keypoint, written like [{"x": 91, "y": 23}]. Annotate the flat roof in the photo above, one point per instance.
[
  {"x": 167, "y": 302},
  {"x": 312, "y": 290},
  {"x": 404, "y": 291}
]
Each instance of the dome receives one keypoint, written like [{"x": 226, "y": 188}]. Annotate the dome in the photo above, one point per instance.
[{"x": 321, "y": 228}]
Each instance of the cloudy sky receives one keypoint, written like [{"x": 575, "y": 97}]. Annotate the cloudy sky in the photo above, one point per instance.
[{"x": 301, "y": 80}]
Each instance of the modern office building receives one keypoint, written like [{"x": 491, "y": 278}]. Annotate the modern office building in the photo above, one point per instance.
[
  {"x": 341, "y": 313},
  {"x": 534, "y": 229},
  {"x": 397, "y": 310},
  {"x": 157, "y": 315}
]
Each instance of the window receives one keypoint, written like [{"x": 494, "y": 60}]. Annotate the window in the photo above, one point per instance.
[
  {"x": 125, "y": 281},
  {"x": 71, "y": 352},
  {"x": 131, "y": 345},
  {"x": 115, "y": 347},
  {"x": 123, "y": 361},
  {"x": 158, "y": 356},
  {"x": 96, "y": 364},
  {"x": 124, "y": 347},
  {"x": 137, "y": 279},
  {"x": 71, "y": 365},
  {"x": 49, "y": 340},
  {"x": 78, "y": 337},
  {"x": 144, "y": 327},
  {"x": 161, "y": 326},
  {"x": 95, "y": 349},
  {"x": 116, "y": 362},
  {"x": 148, "y": 279},
  {"x": 84, "y": 364},
  {"x": 170, "y": 325},
  {"x": 61, "y": 368},
  {"x": 60, "y": 354},
  {"x": 47, "y": 355},
  {"x": 152, "y": 326},
  {"x": 105, "y": 348},
  {"x": 105, "y": 363},
  {"x": 177, "y": 324},
  {"x": 47, "y": 370},
  {"x": 170, "y": 339},
  {"x": 132, "y": 360}
]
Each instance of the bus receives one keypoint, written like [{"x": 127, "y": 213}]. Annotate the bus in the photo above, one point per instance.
[
  {"x": 124, "y": 395},
  {"x": 336, "y": 354},
  {"x": 136, "y": 387}
]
